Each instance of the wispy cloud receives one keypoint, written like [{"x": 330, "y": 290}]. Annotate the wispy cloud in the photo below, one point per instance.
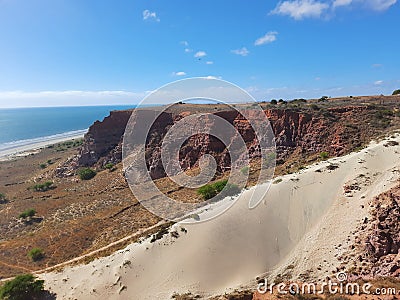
[
  {"x": 150, "y": 15},
  {"x": 184, "y": 43},
  {"x": 181, "y": 73},
  {"x": 338, "y": 3},
  {"x": 377, "y": 66},
  {"x": 300, "y": 9},
  {"x": 269, "y": 37},
  {"x": 200, "y": 54},
  {"x": 187, "y": 50},
  {"x": 68, "y": 98},
  {"x": 209, "y": 62},
  {"x": 376, "y": 5},
  {"x": 242, "y": 51},
  {"x": 378, "y": 82}
]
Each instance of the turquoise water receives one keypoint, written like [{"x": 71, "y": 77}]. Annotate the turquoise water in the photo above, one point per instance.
[{"x": 19, "y": 126}]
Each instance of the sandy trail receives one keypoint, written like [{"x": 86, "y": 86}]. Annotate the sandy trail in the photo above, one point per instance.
[{"x": 233, "y": 249}]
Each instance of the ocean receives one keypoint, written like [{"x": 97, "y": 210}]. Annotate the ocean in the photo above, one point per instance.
[{"x": 24, "y": 126}]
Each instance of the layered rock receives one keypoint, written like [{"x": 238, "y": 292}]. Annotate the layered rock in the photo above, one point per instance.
[
  {"x": 383, "y": 240},
  {"x": 299, "y": 133}
]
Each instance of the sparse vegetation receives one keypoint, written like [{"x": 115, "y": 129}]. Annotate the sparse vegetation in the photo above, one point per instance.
[
  {"x": 324, "y": 155},
  {"x": 396, "y": 92},
  {"x": 323, "y": 99},
  {"x": 211, "y": 190},
  {"x": 22, "y": 287},
  {"x": 43, "y": 187},
  {"x": 36, "y": 254},
  {"x": 29, "y": 213},
  {"x": 2, "y": 198},
  {"x": 86, "y": 173},
  {"x": 245, "y": 170},
  {"x": 43, "y": 166},
  {"x": 314, "y": 107},
  {"x": 277, "y": 181},
  {"x": 110, "y": 166}
]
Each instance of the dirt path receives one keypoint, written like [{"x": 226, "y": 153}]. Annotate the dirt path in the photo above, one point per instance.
[{"x": 87, "y": 255}]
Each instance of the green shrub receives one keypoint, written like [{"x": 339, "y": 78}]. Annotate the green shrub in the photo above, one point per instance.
[
  {"x": 2, "y": 197},
  {"x": 323, "y": 99},
  {"x": 324, "y": 155},
  {"x": 86, "y": 173},
  {"x": 277, "y": 181},
  {"x": 274, "y": 102},
  {"x": 109, "y": 166},
  {"x": 29, "y": 213},
  {"x": 36, "y": 254},
  {"x": 43, "y": 166},
  {"x": 207, "y": 191},
  {"x": 42, "y": 187},
  {"x": 22, "y": 287},
  {"x": 211, "y": 190},
  {"x": 245, "y": 170},
  {"x": 396, "y": 92},
  {"x": 314, "y": 107}
]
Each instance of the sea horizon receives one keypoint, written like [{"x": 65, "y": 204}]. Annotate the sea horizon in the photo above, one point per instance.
[{"x": 26, "y": 125}]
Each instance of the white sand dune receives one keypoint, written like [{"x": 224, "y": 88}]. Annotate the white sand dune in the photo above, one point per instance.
[{"x": 233, "y": 249}]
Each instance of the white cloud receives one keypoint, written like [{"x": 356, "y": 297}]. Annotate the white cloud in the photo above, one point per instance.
[
  {"x": 213, "y": 77},
  {"x": 187, "y": 50},
  {"x": 179, "y": 73},
  {"x": 242, "y": 51},
  {"x": 68, "y": 98},
  {"x": 150, "y": 15},
  {"x": 377, "y": 5},
  {"x": 269, "y": 37},
  {"x": 380, "y": 5},
  {"x": 300, "y": 9},
  {"x": 185, "y": 43},
  {"x": 200, "y": 54},
  {"x": 338, "y": 3},
  {"x": 209, "y": 62},
  {"x": 378, "y": 82}
]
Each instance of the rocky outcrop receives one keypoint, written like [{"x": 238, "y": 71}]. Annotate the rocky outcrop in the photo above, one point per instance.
[
  {"x": 298, "y": 133},
  {"x": 383, "y": 240}
]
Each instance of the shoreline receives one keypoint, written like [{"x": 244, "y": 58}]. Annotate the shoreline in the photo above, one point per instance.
[{"x": 34, "y": 146}]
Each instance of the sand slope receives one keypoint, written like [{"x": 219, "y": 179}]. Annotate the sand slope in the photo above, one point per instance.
[{"x": 234, "y": 248}]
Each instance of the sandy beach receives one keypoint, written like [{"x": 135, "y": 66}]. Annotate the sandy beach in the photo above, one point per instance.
[
  {"x": 294, "y": 223},
  {"x": 28, "y": 147}
]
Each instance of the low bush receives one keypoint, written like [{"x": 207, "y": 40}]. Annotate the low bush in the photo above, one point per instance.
[
  {"x": 222, "y": 188},
  {"x": 43, "y": 166},
  {"x": 324, "y": 155},
  {"x": 110, "y": 167},
  {"x": 245, "y": 170},
  {"x": 29, "y": 213},
  {"x": 42, "y": 187},
  {"x": 22, "y": 287},
  {"x": 86, "y": 173},
  {"x": 36, "y": 254},
  {"x": 3, "y": 198},
  {"x": 396, "y": 92}
]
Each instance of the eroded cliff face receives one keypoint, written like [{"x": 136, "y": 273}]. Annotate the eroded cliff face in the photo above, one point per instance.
[
  {"x": 298, "y": 135},
  {"x": 382, "y": 243}
]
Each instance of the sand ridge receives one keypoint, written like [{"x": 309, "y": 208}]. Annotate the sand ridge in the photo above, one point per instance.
[{"x": 292, "y": 225}]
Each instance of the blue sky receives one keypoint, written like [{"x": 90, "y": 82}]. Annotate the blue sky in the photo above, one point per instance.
[{"x": 77, "y": 52}]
